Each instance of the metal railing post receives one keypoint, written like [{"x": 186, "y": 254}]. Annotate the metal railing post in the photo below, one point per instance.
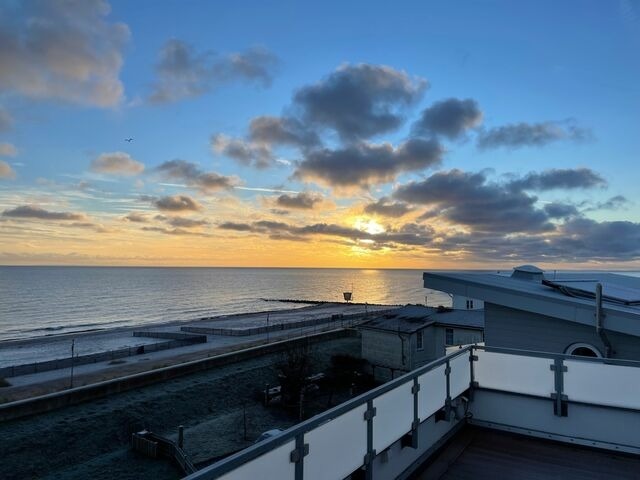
[
  {"x": 560, "y": 403},
  {"x": 297, "y": 456},
  {"x": 416, "y": 418},
  {"x": 371, "y": 453},
  {"x": 447, "y": 404}
]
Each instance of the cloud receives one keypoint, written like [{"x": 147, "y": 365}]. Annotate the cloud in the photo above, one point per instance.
[
  {"x": 302, "y": 200},
  {"x": 523, "y": 134},
  {"x": 191, "y": 174},
  {"x": 6, "y": 120},
  {"x": 136, "y": 217},
  {"x": 62, "y": 50},
  {"x": 561, "y": 210},
  {"x": 569, "y": 178},
  {"x": 8, "y": 150},
  {"x": 174, "y": 231},
  {"x": 363, "y": 165},
  {"x": 28, "y": 211},
  {"x": 387, "y": 208},
  {"x": 282, "y": 131},
  {"x": 583, "y": 238},
  {"x": 244, "y": 152},
  {"x": 614, "y": 203},
  {"x": 177, "y": 203},
  {"x": 408, "y": 234},
  {"x": 183, "y": 222},
  {"x": 6, "y": 172},
  {"x": 116, "y": 163},
  {"x": 451, "y": 118},
  {"x": 359, "y": 101},
  {"x": 184, "y": 73},
  {"x": 470, "y": 199}
]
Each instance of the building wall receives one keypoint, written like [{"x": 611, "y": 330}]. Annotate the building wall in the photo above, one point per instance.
[
  {"x": 459, "y": 302},
  {"x": 383, "y": 350},
  {"x": 511, "y": 328},
  {"x": 463, "y": 336}
]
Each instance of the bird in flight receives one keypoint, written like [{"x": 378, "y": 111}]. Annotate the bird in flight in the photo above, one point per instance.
[{"x": 128, "y": 140}]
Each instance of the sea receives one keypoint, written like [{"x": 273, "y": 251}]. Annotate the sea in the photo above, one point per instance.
[{"x": 42, "y": 301}]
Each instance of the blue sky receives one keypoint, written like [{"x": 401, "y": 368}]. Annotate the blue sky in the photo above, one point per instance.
[{"x": 555, "y": 65}]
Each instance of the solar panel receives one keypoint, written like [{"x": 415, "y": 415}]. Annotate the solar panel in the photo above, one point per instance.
[{"x": 610, "y": 291}]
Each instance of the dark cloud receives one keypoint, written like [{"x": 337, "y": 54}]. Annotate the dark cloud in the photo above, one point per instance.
[
  {"x": 561, "y": 210},
  {"x": 238, "y": 227},
  {"x": 470, "y": 199},
  {"x": 136, "y": 217},
  {"x": 282, "y": 131},
  {"x": 28, "y": 211},
  {"x": 387, "y": 208},
  {"x": 244, "y": 152},
  {"x": 182, "y": 72},
  {"x": 6, "y": 120},
  {"x": 64, "y": 50},
  {"x": 408, "y": 234},
  {"x": 614, "y": 203},
  {"x": 194, "y": 177},
  {"x": 583, "y": 238},
  {"x": 116, "y": 163},
  {"x": 359, "y": 101},
  {"x": 363, "y": 165},
  {"x": 523, "y": 134},
  {"x": 177, "y": 203},
  {"x": 302, "y": 200},
  {"x": 6, "y": 172},
  {"x": 182, "y": 222},
  {"x": 451, "y": 117},
  {"x": 559, "y": 178}
]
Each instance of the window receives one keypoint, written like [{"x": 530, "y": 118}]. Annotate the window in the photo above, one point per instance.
[
  {"x": 448, "y": 336},
  {"x": 419, "y": 341},
  {"x": 469, "y": 304},
  {"x": 583, "y": 350}
]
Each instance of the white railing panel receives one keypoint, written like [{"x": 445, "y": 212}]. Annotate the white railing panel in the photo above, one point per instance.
[
  {"x": 336, "y": 448},
  {"x": 394, "y": 416},
  {"x": 601, "y": 384},
  {"x": 275, "y": 463},
  {"x": 460, "y": 376},
  {"x": 433, "y": 392},
  {"x": 514, "y": 373}
]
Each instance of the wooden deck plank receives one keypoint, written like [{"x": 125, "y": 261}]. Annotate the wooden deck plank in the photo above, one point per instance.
[{"x": 490, "y": 454}]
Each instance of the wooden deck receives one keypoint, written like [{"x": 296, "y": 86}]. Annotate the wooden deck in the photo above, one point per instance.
[{"x": 479, "y": 454}]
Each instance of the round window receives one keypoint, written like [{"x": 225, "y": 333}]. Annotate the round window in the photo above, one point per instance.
[{"x": 583, "y": 350}]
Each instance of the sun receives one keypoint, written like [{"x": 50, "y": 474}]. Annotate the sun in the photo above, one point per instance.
[{"x": 368, "y": 225}]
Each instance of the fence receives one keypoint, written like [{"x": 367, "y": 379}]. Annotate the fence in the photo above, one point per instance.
[
  {"x": 342, "y": 440},
  {"x": 36, "y": 367}
]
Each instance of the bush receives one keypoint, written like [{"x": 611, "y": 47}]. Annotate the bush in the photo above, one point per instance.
[{"x": 4, "y": 382}]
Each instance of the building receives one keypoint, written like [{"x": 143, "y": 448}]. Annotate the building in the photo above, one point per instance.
[
  {"x": 529, "y": 309},
  {"x": 402, "y": 340}
]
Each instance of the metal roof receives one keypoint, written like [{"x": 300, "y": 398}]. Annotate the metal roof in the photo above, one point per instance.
[
  {"x": 534, "y": 296},
  {"x": 412, "y": 318}
]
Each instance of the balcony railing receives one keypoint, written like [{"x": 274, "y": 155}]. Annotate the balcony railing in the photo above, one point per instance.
[{"x": 338, "y": 442}]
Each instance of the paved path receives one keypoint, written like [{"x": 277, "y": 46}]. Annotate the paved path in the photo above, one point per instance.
[{"x": 54, "y": 380}]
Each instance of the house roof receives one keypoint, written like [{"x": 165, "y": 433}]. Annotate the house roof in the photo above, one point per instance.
[
  {"x": 567, "y": 296},
  {"x": 412, "y": 318}
]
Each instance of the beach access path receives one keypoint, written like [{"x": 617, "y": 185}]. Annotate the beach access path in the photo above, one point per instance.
[{"x": 35, "y": 384}]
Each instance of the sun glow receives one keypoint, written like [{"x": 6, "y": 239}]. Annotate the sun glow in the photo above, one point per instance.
[{"x": 368, "y": 225}]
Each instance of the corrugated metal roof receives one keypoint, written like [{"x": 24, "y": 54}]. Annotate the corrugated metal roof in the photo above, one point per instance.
[{"x": 412, "y": 318}]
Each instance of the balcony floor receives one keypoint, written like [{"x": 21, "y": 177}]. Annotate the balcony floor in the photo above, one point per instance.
[{"x": 479, "y": 454}]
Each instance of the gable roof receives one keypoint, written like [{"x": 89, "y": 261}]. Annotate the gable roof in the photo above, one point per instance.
[
  {"x": 539, "y": 294},
  {"x": 411, "y": 318}
]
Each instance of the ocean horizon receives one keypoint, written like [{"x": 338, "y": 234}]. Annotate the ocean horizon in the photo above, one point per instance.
[{"x": 37, "y": 301}]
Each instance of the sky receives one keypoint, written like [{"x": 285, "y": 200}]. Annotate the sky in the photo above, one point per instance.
[{"x": 409, "y": 134}]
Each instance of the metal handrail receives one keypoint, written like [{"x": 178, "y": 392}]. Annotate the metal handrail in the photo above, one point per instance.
[
  {"x": 250, "y": 453},
  {"x": 234, "y": 461}
]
